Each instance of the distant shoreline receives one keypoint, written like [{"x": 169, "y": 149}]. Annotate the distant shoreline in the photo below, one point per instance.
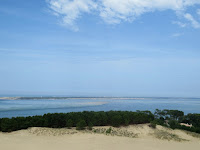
[
  {"x": 25, "y": 98},
  {"x": 65, "y": 97}
]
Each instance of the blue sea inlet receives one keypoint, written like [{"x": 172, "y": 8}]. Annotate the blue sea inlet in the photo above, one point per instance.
[{"x": 30, "y": 107}]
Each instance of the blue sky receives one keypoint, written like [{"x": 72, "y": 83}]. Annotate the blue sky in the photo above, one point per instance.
[{"x": 100, "y": 48}]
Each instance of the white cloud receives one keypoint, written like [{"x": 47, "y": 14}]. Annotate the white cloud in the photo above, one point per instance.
[
  {"x": 190, "y": 18},
  {"x": 71, "y": 10},
  {"x": 116, "y": 11},
  {"x": 181, "y": 24}
]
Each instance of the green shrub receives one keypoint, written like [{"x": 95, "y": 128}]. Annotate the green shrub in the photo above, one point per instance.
[
  {"x": 108, "y": 131},
  {"x": 81, "y": 125},
  {"x": 173, "y": 124},
  {"x": 152, "y": 124},
  {"x": 90, "y": 125}
]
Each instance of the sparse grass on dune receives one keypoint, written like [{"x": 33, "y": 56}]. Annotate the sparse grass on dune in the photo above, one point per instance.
[
  {"x": 137, "y": 131},
  {"x": 164, "y": 135},
  {"x": 193, "y": 134},
  {"x": 115, "y": 132},
  {"x": 51, "y": 132}
]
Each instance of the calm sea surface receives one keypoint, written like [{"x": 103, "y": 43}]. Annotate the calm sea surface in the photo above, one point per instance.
[{"x": 30, "y": 107}]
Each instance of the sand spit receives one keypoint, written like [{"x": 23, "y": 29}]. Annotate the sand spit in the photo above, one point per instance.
[
  {"x": 70, "y": 98},
  {"x": 140, "y": 137},
  {"x": 8, "y": 98}
]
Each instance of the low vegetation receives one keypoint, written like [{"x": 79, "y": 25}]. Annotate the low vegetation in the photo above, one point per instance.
[
  {"x": 163, "y": 135},
  {"x": 115, "y": 132},
  {"x": 108, "y": 131},
  {"x": 152, "y": 124},
  {"x": 174, "y": 118}
]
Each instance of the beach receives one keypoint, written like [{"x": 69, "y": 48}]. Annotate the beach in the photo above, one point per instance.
[{"x": 141, "y": 137}]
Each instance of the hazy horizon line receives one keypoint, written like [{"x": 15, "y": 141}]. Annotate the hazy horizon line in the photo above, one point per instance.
[{"x": 65, "y": 96}]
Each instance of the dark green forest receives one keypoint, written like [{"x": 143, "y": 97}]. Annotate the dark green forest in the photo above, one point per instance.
[{"x": 81, "y": 120}]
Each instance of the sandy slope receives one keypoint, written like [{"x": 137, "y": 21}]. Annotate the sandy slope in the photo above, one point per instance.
[{"x": 139, "y": 137}]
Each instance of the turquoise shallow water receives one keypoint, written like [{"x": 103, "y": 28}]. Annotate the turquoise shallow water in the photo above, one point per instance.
[{"x": 30, "y": 107}]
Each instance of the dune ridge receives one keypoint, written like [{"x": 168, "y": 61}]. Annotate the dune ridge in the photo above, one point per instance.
[{"x": 131, "y": 137}]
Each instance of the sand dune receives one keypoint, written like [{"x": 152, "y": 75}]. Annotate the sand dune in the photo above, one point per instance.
[{"x": 140, "y": 137}]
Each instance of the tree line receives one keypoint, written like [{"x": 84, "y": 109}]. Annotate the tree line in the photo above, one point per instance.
[
  {"x": 76, "y": 119},
  {"x": 80, "y": 120}
]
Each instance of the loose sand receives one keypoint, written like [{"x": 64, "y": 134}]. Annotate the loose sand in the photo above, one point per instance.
[{"x": 138, "y": 137}]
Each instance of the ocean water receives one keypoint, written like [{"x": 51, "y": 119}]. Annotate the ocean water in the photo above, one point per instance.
[{"x": 30, "y": 107}]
